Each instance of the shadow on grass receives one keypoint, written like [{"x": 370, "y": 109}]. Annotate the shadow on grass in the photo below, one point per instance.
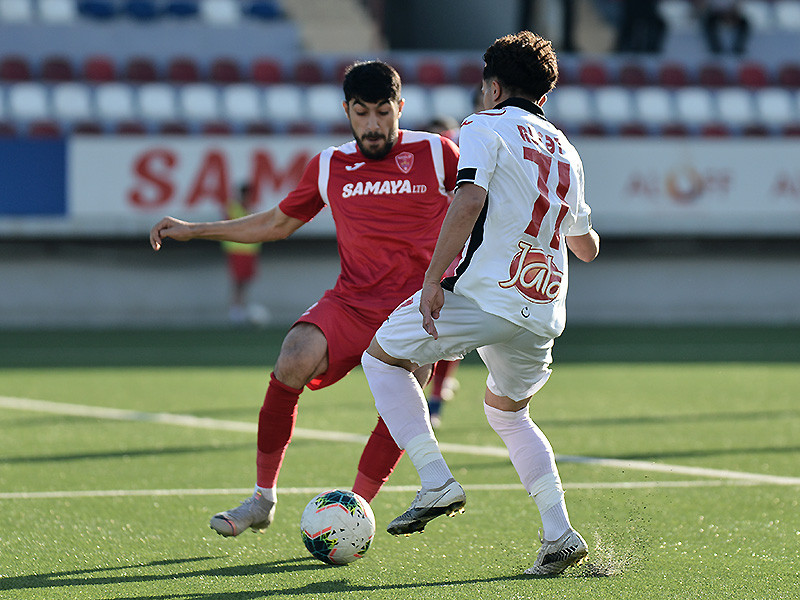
[{"x": 125, "y": 454}]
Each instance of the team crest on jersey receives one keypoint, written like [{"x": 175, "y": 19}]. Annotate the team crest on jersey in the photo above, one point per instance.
[
  {"x": 404, "y": 160},
  {"x": 533, "y": 274}
]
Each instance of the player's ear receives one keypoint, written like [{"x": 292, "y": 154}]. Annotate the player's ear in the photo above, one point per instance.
[
  {"x": 346, "y": 107},
  {"x": 400, "y": 104}
]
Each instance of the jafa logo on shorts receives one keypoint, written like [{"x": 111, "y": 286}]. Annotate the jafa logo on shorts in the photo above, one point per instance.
[{"x": 534, "y": 275}]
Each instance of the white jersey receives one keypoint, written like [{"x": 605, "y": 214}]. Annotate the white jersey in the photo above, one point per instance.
[{"x": 515, "y": 263}]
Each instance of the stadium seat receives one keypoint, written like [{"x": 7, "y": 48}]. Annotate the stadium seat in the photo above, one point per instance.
[
  {"x": 735, "y": 107},
  {"x": 131, "y": 128},
  {"x": 57, "y": 68},
  {"x": 307, "y": 71},
  {"x": 157, "y": 102},
  {"x": 28, "y": 101},
  {"x": 713, "y": 76},
  {"x": 417, "y": 108},
  {"x": 452, "y": 101},
  {"x": 87, "y": 128},
  {"x": 431, "y": 72},
  {"x": 570, "y": 106},
  {"x": 217, "y": 128},
  {"x": 470, "y": 73},
  {"x": 15, "y": 68},
  {"x": 7, "y": 129},
  {"x": 224, "y": 70},
  {"x": 633, "y": 130},
  {"x": 72, "y": 102},
  {"x": 16, "y": 11},
  {"x": 58, "y": 12},
  {"x": 325, "y": 104},
  {"x": 259, "y": 128},
  {"x": 199, "y": 102},
  {"x": 759, "y": 14},
  {"x": 673, "y": 75},
  {"x": 141, "y": 10},
  {"x": 264, "y": 9},
  {"x": 677, "y": 14},
  {"x": 183, "y": 69},
  {"x": 654, "y": 106},
  {"x": 787, "y": 15},
  {"x": 114, "y": 102},
  {"x": 220, "y": 12},
  {"x": 791, "y": 130},
  {"x": 752, "y": 75},
  {"x": 284, "y": 103},
  {"x": 755, "y": 130},
  {"x": 181, "y": 8},
  {"x": 592, "y": 74},
  {"x": 633, "y": 75},
  {"x": 789, "y": 75},
  {"x": 775, "y": 107},
  {"x": 266, "y": 70},
  {"x": 99, "y": 69},
  {"x": 102, "y": 10},
  {"x": 173, "y": 128},
  {"x": 242, "y": 103},
  {"x": 694, "y": 105},
  {"x": 715, "y": 130},
  {"x": 614, "y": 105},
  {"x": 44, "y": 129},
  {"x": 140, "y": 69},
  {"x": 674, "y": 130}
]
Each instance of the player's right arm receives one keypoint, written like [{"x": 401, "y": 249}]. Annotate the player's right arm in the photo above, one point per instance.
[{"x": 267, "y": 226}]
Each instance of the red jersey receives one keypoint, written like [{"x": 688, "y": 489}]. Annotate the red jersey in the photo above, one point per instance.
[{"x": 388, "y": 213}]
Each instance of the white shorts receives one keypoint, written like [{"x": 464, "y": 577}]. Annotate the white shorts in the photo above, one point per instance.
[{"x": 518, "y": 360}]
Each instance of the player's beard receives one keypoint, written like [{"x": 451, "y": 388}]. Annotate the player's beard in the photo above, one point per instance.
[{"x": 382, "y": 151}]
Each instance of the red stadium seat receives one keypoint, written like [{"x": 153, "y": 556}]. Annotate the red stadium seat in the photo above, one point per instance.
[
  {"x": 715, "y": 130},
  {"x": 470, "y": 73},
  {"x": 98, "y": 69},
  {"x": 307, "y": 71},
  {"x": 57, "y": 68},
  {"x": 183, "y": 69},
  {"x": 633, "y": 130},
  {"x": 217, "y": 128},
  {"x": 431, "y": 72},
  {"x": 301, "y": 128},
  {"x": 88, "y": 128},
  {"x": 266, "y": 70},
  {"x": 753, "y": 75},
  {"x": 225, "y": 70},
  {"x": 140, "y": 70},
  {"x": 15, "y": 68},
  {"x": 7, "y": 129},
  {"x": 755, "y": 130},
  {"x": 789, "y": 75},
  {"x": 713, "y": 76},
  {"x": 672, "y": 75},
  {"x": 131, "y": 128},
  {"x": 592, "y": 74},
  {"x": 633, "y": 75},
  {"x": 44, "y": 129},
  {"x": 173, "y": 128},
  {"x": 592, "y": 129},
  {"x": 791, "y": 130},
  {"x": 674, "y": 130},
  {"x": 259, "y": 129}
]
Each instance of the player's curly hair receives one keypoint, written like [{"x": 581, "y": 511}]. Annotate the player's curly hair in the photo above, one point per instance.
[
  {"x": 371, "y": 81},
  {"x": 523, "y": 62}
]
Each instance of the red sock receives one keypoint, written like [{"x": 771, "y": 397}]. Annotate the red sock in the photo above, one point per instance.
[
  {"x": 378, "y": 460},
  {"x": 441, "y": 370},
  {"x": 275, "y": 426}
]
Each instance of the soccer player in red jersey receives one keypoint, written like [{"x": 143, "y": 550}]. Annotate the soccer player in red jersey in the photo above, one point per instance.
[{"x": 388, "y": 193}]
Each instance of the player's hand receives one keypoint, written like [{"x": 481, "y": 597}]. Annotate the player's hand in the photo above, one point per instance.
[
  {"x": 169, "y": 227},
  {"x": 430, "y": 303}
]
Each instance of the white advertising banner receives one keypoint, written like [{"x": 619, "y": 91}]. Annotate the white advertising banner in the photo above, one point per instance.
[{"x": 124, "y": 185}]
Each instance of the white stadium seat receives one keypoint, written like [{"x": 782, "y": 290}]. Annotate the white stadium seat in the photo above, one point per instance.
[
  {"x": 157, "y": 102},
  {"x": 114, "y": 102},
  {"x": 451, "y": 101},
  {"x": 775, "y": 106},
  {"x": 759, "y": 14},
  {"x": 220, "y": 12},
  {"x": 614, "y": 105},
  {"x": 569, "y": 106},
  {"x": 695, "y": 105},
  {"x": 654, "y": 106},
  {"x": 58, "y": 11},
  {"x": 325, "y": 104},
  {"x": 735, "y": 106},
  {"x": 787, "y": 14},
  {"x": 199, "y": 102},
  {"x": 72, "y": 102},
  {"x": 16, "y": 11},
  {"x": 285, "y": 103},
  {"x": 28, "y": 101},
  {"x": 242, "y": 103},
  {"x": 416, "y": 110}
]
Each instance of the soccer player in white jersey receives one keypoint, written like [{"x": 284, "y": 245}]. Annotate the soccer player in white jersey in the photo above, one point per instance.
[{"x": 518, "y": 207}]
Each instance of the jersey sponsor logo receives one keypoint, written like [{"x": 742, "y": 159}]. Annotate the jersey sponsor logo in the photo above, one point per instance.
[
  {"x": 358, "y": 165},
  {"x": 533, "y": 274},
  {"x": 404, "y": 160},
  {"x": 379, "y": 188}
]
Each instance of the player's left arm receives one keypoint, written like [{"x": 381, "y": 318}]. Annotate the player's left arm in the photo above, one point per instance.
[{"x": 586, "y": 247}]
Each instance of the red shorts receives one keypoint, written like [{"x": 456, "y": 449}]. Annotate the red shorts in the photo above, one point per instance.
[
  {"x": 242, "y": 266},
  {"x": 348, "y": 332}
]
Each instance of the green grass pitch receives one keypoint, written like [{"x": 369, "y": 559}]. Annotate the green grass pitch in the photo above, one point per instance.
[{"x": 697, "y": 498}]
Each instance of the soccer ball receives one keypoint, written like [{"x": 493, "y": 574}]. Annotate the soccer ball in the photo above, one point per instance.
[{"x": 337, "y": 527}]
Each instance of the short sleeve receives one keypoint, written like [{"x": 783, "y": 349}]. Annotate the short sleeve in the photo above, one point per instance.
[
  {"x": 304, "y": 202},
  {"x": 583, "y": 213},
  {"x": 478, "y": 144}
]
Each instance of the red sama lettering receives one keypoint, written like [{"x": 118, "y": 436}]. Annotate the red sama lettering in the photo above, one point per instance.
[{"x": 154, "y": 187}]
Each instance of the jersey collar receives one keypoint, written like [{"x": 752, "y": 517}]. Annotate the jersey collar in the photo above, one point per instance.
[{"x": 524, "y": 104}]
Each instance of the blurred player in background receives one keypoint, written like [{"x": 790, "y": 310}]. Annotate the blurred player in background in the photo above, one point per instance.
[
  {"x": 242, "y": 263},
  {"x": 519, "y": 206},
  {"x": 388, "y": 191}
]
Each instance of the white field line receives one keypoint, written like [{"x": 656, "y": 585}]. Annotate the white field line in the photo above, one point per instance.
[
  {"x": 99, "y": 412},
  {"x": 308, "y": 491}
]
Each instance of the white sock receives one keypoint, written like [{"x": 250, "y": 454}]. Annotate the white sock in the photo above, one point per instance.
[
  {"x": 426, "y": 457},
  {"x": 534, "y": 461},
  {"x": 270, "y": 494},
  {"x": 399, "y": 400}
]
